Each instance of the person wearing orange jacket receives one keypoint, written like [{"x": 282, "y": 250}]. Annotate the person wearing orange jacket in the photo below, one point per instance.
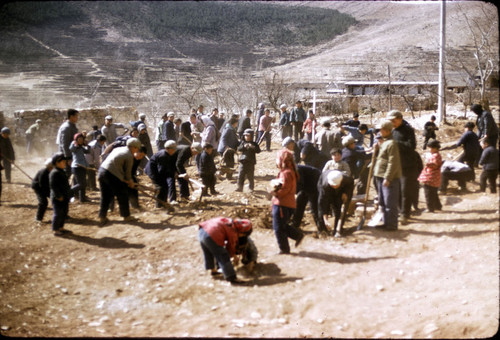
[{"x": 283, "y": 201}]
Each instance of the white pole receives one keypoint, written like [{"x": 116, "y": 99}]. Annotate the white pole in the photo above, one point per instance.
[
  {"x": 441, "y": 95},
  {"x": 314, "y": 111}
]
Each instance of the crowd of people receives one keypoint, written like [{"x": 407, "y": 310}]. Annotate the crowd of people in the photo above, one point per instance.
[{"x": 320, "y": 164}]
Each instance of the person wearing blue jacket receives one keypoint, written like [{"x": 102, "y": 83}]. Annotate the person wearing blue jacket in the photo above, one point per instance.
[{"x": 161, "y": 168}]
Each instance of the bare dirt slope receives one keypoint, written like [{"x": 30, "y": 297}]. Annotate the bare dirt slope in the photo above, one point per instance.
[{"x": 437, "y": 277}]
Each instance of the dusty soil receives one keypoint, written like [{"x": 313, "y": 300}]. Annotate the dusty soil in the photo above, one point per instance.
[{"x": 437, "y": 277}]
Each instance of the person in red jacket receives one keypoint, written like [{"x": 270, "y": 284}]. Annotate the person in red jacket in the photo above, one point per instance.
[
  {"x": 283, "y": 201},
  {"x": 219, "y": 240}
]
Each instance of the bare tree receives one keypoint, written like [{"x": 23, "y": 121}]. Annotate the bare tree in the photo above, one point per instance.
[{"x": 483, "y": 31}]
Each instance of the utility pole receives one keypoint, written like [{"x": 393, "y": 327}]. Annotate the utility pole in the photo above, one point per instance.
[
  {"x": 390, "y": 94},
  {"x": 441, "y": 95}
]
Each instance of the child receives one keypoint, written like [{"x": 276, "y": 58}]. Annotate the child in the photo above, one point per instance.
[
  {"x": 336, "y": 163},
  {"x": 60, "y": 194},
  {"x": 93, "y": 158},
  {"x": 206, "y": 169},
  {"x": 248, "y": 149},
  {"x": 489, "y": 162},
  {"x": 219, "y": 238},
  {"x": 430, "y": 176},
  {"x": 79, "y": 164},
  {"x": 40, "y": 185},
  {"x": 265, "y": 129},
  {"x": 309, "y": 127},
  {"x": 430, "y": 131}
]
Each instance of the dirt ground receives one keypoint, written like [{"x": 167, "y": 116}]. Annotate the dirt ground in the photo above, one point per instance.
[{"x": 437, "y": 277}]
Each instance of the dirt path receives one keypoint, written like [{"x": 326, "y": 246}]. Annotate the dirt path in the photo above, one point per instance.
[{"x": 437, "y": 277}]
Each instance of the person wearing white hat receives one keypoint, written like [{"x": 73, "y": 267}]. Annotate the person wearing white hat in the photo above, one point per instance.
[
  {"x": 115, "y": 176},
  {"x": 109, "y": 129},
  {"x": 334, "y": 190}
]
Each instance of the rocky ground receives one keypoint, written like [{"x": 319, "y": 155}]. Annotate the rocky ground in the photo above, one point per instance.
[{"x": 437, "y": 277}]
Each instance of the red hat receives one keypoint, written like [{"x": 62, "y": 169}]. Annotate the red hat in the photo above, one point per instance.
[
  {"x": 242, "y": 225},
  {"x": 79, "y": 134}
]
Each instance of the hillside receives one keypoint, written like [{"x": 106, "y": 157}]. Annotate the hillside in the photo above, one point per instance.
[{"x": 122, "y": 53}]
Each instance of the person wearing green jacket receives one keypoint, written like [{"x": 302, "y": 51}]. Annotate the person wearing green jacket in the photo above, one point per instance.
[{"x": 387, "y": 173}]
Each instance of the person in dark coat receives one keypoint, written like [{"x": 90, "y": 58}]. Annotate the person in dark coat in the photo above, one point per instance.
[
  {"x": 290, "y": 144},
  {"x": 207, "y": 170},
  {"x": 161, "y": 168},
  {"x": 7, "y": 151},
  {"x": 244, "y": 123},
  {"x": 184, "y": 154},
  {"x": 41, "y": 187},
  {"x": 469, "y": 141},
  {"x": 334, "y": 190},
  {"x": 60, "y": 194},
  {"x": 307, "y": 191},
  {"x": 133, "y": 193},
  {"x": 185, "y": 137},
  {"x": 486, "y": 125},
  {"x": 430, "y": 128},
  {"x": 170, "y": 127},
  {"x": 146, "y": 142},
  {"x": 227, "y": 146},
  {"x": 310, "y": 155},
  {"x": 247, "y": 160},
  {"x": 404, "y": 135},
  {"x": 489, "y": 163},
  {"x": 353, "y": 156},
  {"x": 354, "y": 122}
]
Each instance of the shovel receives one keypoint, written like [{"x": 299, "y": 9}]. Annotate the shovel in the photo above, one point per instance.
[
  {"x": 14, "y": 164},
  {"x": 368, "y": 184}
]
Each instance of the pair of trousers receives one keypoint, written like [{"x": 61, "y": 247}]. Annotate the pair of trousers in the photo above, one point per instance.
[
  {"x": 246, "y": 170},
  {"x": 8, "y": 169},
  {"x": 491, "y": 177},
  {"x": 432, "y": 198},
  {"x": 43, "y": 203},
  {"x": 112, "y": 186},
  {"x": 267, "y": 138},
  {"x": 389, "y": 201},
  {"x": 298, "y": 134},
  {"x": 91, "y": 178},
  {"x": 60, "y": 209},
  {"x": 80, "y": 178},
  {"x": 167, "y": 190},
  {"x": 213, "y": 252},
  {"x": 409, "y": 191},
  {"x": 183, "y": 187},
  {"x": 302, "y": 199},
  {"x": 282, "y": 229}
]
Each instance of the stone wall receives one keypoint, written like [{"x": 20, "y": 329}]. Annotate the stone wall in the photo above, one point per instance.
[{"x": 53, "y": 118}]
